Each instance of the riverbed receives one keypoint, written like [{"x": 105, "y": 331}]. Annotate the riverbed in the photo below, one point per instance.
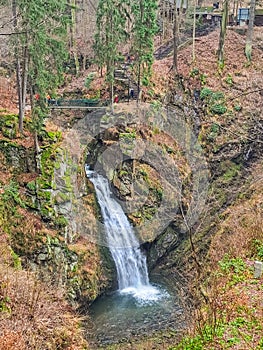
[{"x": 123, "y": 315}]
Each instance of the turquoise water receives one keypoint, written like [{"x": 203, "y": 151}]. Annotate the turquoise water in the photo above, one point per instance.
[{"x": 121, "y": 315}]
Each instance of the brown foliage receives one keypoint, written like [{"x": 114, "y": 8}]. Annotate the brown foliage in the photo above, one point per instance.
[
  {"x": 242, "y": 225},
  {"x": 228, "y": 294},
  {"x": 33, "y": 315}
]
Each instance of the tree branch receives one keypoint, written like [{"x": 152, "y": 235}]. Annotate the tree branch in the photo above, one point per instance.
[
  {"x": 13, "y": 33},
  {"x": 243, "y": 94}
]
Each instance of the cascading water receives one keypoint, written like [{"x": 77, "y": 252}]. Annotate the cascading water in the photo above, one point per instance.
[
  {"x": 138, "y": 307},
  {"x": 130, "y": 262}
]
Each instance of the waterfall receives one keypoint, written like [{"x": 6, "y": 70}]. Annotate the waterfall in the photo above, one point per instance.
[{"x": 130, "y": 262}]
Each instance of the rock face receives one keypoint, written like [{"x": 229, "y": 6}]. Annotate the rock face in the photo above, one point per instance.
[
  {"x": 160, "y": 176},
  {"x": 18, "y": 157},
  {"x": 49, "y": 213},
  {"x": 150, "y": 174},
  {"x": 156, "y": 171}
]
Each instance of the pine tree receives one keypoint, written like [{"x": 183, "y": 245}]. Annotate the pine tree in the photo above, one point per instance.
[
  {"x": 39, "y": 51},
  {"x": 73, "y": 42},
  {"x": 110, "y": 33},
  {"x": 144, "y": 29}
]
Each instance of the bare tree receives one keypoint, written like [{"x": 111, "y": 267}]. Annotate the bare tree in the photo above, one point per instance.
[
  {"x": 250, "y": 30},
  {"x": 175, "y": 38},
  {"x": 220, "y": 54},
  {"x": 194, "y": 30}
]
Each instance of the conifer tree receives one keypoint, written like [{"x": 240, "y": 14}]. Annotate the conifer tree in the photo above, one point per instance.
[
  {"x": 39, "y": 51},
  {"x": 110, "y": 33},
  {"x": 144, "y": 28}
]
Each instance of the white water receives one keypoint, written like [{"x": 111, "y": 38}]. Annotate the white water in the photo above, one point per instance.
[{"x": 130, "y": 262}]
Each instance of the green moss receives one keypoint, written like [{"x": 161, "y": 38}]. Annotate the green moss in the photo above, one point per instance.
[
  {"x": 9, "y": 120},
  {"x": 9, "y": 132},
  {"x": 31, "y": 186},
  {"x": 47, "y": 212},
  {"x": 214, "y": 130},
  {"x": 61, "y": 197},
  {"x": 55, "y": 136},
  {"x": 11, "y": 195},
  {"x": 105, "y": 118},
  {"x": 68, "y": 184},
  {"x": 6, "y": 146},
  {"x": 57, "y": 165},
  {"x": 231, "y": 173},
  {"x": 16, "y": 260},
  {"x": 122, "y": 173},
  {"x": 44, "y": 183},
  {"x": 128, "y": 135},
  {"x": 60, "y": 222},
  {"x": 44, "y": 195},
  {"x": 237, "y": 108},
  {"x": 9, "y": 125},
  {"x": 144, "y": 174},
  {"x": 4, "y": 304}
]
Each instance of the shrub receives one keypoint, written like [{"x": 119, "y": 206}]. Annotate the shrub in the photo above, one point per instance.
[
  {"x": 89, "y": 79},
  {"x": 205, "y": 93},
  {"x": 237, "y": 108},
  {"x": 218, "y": 109},
  {"x": 215, "y": 100}
]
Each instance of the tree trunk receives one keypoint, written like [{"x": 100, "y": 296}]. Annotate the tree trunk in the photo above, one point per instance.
[
  {"x": 139, "y": 83},
  {"x": 112, "y": 95},
  {"x": 84, "y": 62},
  {"x": 19, "y": 93},
  {"x": 73, "y": 33},
  {"x": 19, "y": 84},
  {"x": 194, "y": 30},
  {"x": 163, "y": 20},
  {"x": 175, "y": 39},
  {"x": 220, "y": 54},
  {"x": 139, "y": 58},
  {"x": 24, "y": 79},
  {"x": 234, "y": 10},
  {"x": 250, "y": 30},
  {"x": 38, "y": 153}
]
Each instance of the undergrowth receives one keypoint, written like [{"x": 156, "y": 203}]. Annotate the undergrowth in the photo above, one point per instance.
[
  {"x": 33, "y": 314},
  {"x": 231, "y": 315}
]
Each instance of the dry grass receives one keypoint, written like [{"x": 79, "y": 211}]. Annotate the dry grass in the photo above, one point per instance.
[
  {"x": 233, "y": 295},
  {"x": 33, "y": 315},
  {"x": 242, "y": 225}
]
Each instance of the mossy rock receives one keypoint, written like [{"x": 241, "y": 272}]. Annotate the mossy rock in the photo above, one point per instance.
[{"x": 20, "y": 158}]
